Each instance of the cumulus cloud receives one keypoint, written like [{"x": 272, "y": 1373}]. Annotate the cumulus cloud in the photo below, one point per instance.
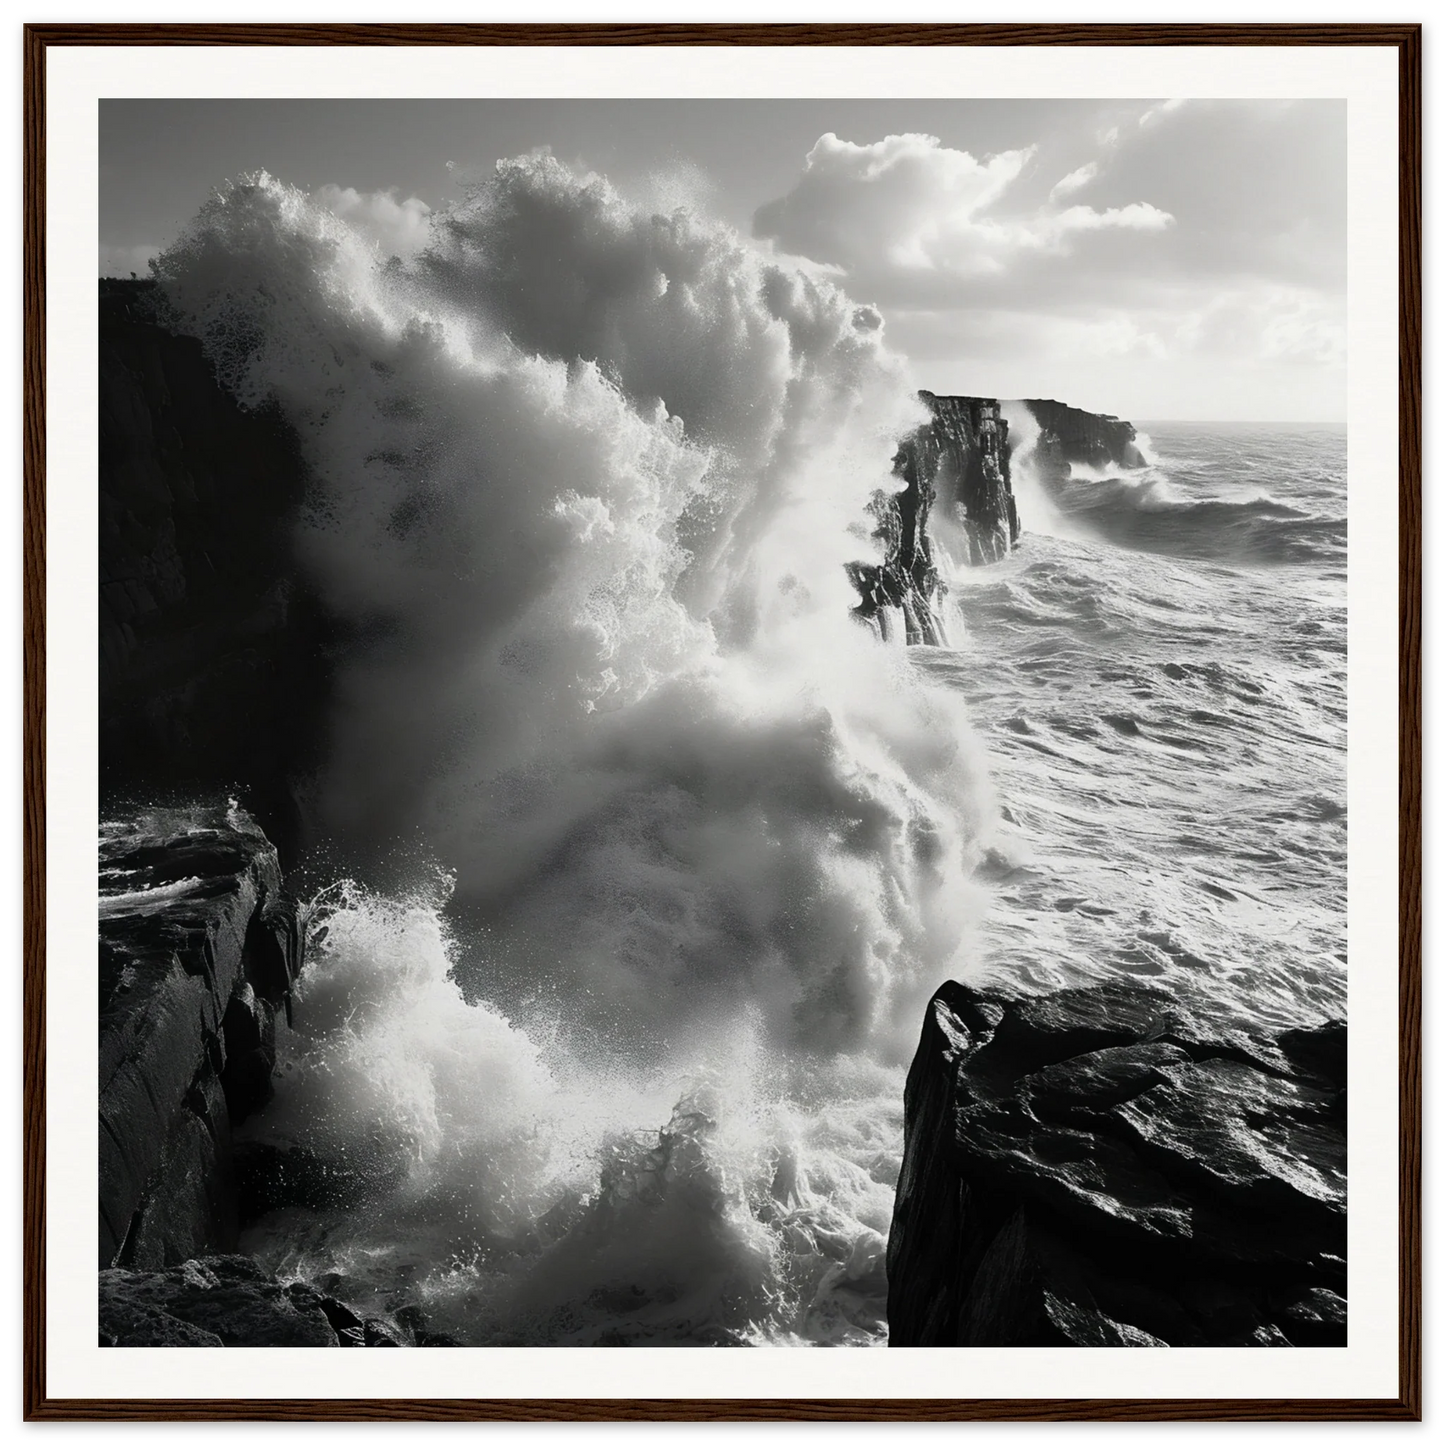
[
  {"x": 399, "y": 227},
  {"x": 1125, "y": 240},
  {"x": 908, "y": 204}
]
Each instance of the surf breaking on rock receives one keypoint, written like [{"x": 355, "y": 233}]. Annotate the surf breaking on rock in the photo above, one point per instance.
[{"x": 673, "y": 851}]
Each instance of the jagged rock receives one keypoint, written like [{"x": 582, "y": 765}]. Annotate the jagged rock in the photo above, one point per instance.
[
  {"x": 956, "y": 474},
  {"x": 230, "y": 1300},
  {"x": 965, "y": 455},
  {"x": 212, "y": 654},
  {"x": 1067, "y": 434},
  {"x": 198, "y": 949},
  {"x": 1092, "y": 1167},
  {"x": 958, "y": 467}
]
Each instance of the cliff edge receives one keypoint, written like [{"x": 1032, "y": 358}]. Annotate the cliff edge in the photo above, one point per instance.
[{"x": 1070, "y": 436}]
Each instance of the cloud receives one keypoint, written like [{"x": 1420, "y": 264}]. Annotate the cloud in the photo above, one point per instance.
[
  {"x": 1075, "y": 180},
  {"x": 907, "y": 207},
  {"x": 1155, "y": 111},
  {"x": 400, "y": 228},
  {"x": 1268, "y": 324},
  {"x": 1211, "y": 249}
]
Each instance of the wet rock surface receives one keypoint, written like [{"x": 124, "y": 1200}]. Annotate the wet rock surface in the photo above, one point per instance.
[
  {"x": 1093, "y": 1168},
  {"x": 965, "y": 454},
  {"x": 230, "y": 1300},
  {"x": 198, "y": 948}
]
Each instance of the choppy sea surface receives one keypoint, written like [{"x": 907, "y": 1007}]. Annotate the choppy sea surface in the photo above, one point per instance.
[
  {"x": 1159, "y": 671},
  {"x": 612, "y": 1051}
]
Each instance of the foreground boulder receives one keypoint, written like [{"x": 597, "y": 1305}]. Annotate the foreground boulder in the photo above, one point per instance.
[
  {"x": 1093, "y": 1168},
  {"x": 230, "y": 1300},
  {"x": 199, "y": 946}
]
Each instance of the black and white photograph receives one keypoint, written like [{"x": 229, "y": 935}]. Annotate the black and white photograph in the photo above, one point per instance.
[{"x": 723, "y": 722}]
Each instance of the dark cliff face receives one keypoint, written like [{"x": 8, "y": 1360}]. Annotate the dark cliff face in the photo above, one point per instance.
[
  {"x": 1091, "y": 1168},
  {"x": 199, "y": 946},
  {"x": 965, "y": 453},
  {"x": 955, "y": 474},
  {"x": 1067, "y": 434},
  {"x": 213, "y": 669}
]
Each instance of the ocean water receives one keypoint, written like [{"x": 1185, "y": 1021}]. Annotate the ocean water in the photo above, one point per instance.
[
  {"x": 673, "y": 851},
  {"x": 1160, "y": 673}
]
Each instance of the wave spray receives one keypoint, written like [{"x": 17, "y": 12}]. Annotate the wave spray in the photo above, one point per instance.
[{"x": 584, "y": 481}]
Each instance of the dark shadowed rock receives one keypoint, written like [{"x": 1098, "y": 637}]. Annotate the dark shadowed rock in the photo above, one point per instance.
[
  {"x": 213, "y": 655},
  {"x": 1090, "y": 1167},
  {"x": 964, "y": 456},
  {"x": 230, "y": 1300},
  {"x": 198, "y": 949},
  {"x": 1068, "y": 435}
]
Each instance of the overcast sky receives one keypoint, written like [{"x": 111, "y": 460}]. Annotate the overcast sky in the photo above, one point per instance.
[{"x": 1155, "y": 259}]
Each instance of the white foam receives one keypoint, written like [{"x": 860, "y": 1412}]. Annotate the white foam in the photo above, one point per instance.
[{"x": 588, "y": 477}]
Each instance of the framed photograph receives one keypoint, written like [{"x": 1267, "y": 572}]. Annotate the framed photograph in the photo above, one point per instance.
[{"x": 743, "y": 691}]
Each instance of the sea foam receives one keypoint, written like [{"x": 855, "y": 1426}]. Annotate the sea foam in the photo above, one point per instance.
[{"x": 584, "y": 482}]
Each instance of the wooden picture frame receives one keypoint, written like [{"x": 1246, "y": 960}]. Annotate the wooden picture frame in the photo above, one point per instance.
[{"x": 42, "y": 42}]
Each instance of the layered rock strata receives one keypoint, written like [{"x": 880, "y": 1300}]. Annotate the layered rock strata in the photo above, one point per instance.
[
  {"x": 965, "y": 453},
  {"x": 1091, "y": 1168},
  {"x": 199, "y": 946}
]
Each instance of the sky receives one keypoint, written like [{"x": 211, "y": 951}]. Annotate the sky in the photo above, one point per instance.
[{"x": 1154, "y": 259}]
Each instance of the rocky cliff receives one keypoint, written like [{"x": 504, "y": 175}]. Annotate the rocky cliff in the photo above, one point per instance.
[
  {"x": 1068, "y": 435},
  {"x": 964, "y": 455},
  {"x": 1093, "y": 1168},
  {"x": 955, "y": 475},
  {"x": 199, "y": 945},
  {"x": 957, "y": 491},
  {"x": 199, "y": 948},
  {"x": 213, "y": 659}
]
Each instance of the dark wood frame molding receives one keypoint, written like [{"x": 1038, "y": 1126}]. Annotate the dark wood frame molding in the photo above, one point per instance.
[{"x": 1407, "y": 1405}]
